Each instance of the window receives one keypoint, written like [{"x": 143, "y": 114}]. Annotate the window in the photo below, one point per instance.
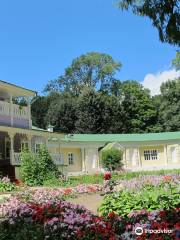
[
  {"x": 71, "y": 158},
  {"x": 37, "y": 147},
  {"x": 150, "y": 154},
  {"x": 24, "y": 145}
]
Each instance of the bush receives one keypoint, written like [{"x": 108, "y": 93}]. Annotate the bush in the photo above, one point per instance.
[
  {"x": 6, "y": 185},
  {"x": 112, "y": 159},
  {"x": 165, "y": 195},
  {"x": 35, "y": 168}
]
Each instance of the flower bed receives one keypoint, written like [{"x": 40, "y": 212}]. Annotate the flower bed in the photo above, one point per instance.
[
  {"x": 63, "y": 220},
  {"x": 139, "y": 182},
  {"x": 159, "y": 193}
]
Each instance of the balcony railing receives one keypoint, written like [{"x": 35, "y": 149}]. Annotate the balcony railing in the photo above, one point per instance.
[
  {"x": 57, "y": 159},
  {"x": 17, "y": 111}
]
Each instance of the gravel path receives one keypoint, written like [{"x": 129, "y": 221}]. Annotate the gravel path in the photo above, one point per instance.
[{"x": 90, "y": 201}]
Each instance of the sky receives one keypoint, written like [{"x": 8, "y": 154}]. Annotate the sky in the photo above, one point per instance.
[{"x": 40, "y": 38}]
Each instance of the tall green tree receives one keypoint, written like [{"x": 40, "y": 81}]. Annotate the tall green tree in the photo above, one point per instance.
[
  {"x": 94, "y": 111},
  {"x": 39, "y": 109},
  {"x": 94, "y": 70},
  {"x": 62, "y": 113},
  {"x": 170, "y": 105},
  {"x": 164, "y": 14},
  {"x": 138, "y": 112}
]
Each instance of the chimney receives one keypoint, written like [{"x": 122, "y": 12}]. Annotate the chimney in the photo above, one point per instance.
[{"x": 50, "y": 128}]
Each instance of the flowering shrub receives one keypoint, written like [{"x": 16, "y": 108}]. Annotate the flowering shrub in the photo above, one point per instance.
[
  {"x": 6, "y": 185},
  {"x": 163, "y": 195},
  {"x": 139, "y": 182},
  {"x": 63, "y": 220}
]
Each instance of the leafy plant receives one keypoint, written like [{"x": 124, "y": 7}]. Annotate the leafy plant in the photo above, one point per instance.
[
  {"x": 6, "y": 185},
  {"x": 150, "y": 197},
  {"x": 112, "y": 159},
  {"x": 36, "y": 168}
]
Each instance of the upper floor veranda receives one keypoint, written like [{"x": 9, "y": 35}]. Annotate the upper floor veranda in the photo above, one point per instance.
[{"x": 12, "y": 113}]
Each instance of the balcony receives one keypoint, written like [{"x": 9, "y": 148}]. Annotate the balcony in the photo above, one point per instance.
[
  {"x": 57, "y": 159},
  {"x": 17, "y": 111}
]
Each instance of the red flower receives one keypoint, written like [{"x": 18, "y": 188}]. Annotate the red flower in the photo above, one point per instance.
[
  {"x": 67, "y": 191},
  {"x": 107, "y": 176},
  {"x": 111, "y": 215},
  {"x": 167, "y": 179},
  {"x": 177, "y": 225}
]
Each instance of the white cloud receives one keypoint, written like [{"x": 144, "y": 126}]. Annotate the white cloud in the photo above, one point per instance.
[{"x": 154, "y": 81}]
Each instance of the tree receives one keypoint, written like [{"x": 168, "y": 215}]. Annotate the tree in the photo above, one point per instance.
[
  {"x": 94, "y": 70},
  {"x": 112, "y": 159},
  {"x": 164, "y": 14},
  {"x": 62, "y": 113},
  {"x": 138, "y": 114},
  {"x": 39, "y": 109},
  {"x": 170, "y": 105},
  {"x": 176, "y": 61},
  {"x": 94, "y": 111}
]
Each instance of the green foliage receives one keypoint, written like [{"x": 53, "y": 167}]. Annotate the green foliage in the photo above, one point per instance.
[
  {"x": 170, "y": 105},
  {"x": 176, "y": 61},
  {"x": 90, "y": 70},
  {"x": 112, "y": 159},
  {"x": 6, "y": 186},
  {"x": 39, "y": 108},
  {"x": 74, "y": 181},
  {"x": 35, "y": 168},
  {"x": 163, "y": 196},
  {"x": 164, "y": 15},
  {"x": 61, "y": 112},
  {"x": 138, "y": 113},
  {"x": 94, "y": 112}
]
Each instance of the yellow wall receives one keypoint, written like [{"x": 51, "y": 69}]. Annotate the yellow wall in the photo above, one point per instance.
[
  {"x": 161, "y": 157},
  {"x": 77, "y": 166}
]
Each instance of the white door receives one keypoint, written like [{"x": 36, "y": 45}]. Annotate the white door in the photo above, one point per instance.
[
  {"x": 133, "y": 157},
  {"x": 90, "y": 159}
]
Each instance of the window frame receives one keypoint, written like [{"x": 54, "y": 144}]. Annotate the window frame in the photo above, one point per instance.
[
  {"x": 72, "y": 159},
  {"x": 151, "y": 154},
  {"x": 35, "y": 147},
  {"x": 24, "y": 142}
]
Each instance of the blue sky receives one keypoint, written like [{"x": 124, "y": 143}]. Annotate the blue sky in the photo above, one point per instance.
[{"x": 39, "y": 39}]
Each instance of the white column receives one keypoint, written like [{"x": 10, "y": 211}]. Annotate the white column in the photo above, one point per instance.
[
  {"x": 125, "y": 159},
  {"x": 11, "y": 136},
  {"x": 11, "y": 110},
  {"x": 98, "y": 163},
  {"x": 83, "y": 160},
  {"x": 29, "y": 113},
  {"x": 165, "y": 154},
  {"x": 139, "y": 158}
]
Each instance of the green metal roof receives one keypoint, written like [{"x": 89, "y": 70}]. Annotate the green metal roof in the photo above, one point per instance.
[
  {"x": 123, "y": 137},
  {"x": 38, "y": 129}
]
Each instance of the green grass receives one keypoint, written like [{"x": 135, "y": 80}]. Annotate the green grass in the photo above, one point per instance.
[{"x": 98, "y": 178}]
